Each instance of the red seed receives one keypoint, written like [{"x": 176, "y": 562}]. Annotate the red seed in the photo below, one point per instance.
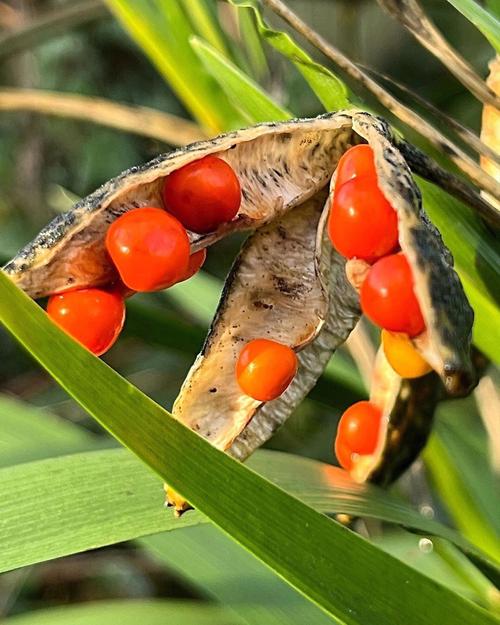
[
  {"x": 359, "y": 428},
  {"x": 265, "y": 369},
  {"x": 356, "y": 162},
  {"x": 203, "y": 194},
  {"x": 362, "y": 223},
  {"x": 149, "y": 248},
  {"x": 93, "y": 317},
  {"x": 388, "y": 298}
]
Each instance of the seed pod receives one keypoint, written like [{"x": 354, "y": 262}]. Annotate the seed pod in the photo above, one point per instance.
[
  {"x": 279, "y": 272},
  {"x": 407, "y": 408},
  {"x": 286, "y": 285}
]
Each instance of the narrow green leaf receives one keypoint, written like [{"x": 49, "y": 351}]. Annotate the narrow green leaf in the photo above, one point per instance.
[
  {"x": 252, "y": 42},
  {"x": 20, "y": 422},
  {"x": 60, "y": 506},
  {"x": 484, "y": 21},
  {"x": 162, "y": 31},
  {"x": 294, "y": 540},
  {"x": 83, "y": 511},
  {"x": 458, "y": 498},
  {"x": 152, "y": 612},
  {"x": 329, "y": 89},
  {"x": 210, "y": 561},
  {"x": 204, "y": 24},
  {"x": 243, "y": 92},
  {"x": 28, "y": 433}
]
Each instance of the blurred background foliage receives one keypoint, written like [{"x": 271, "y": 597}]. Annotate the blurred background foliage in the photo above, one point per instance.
[{"x": 47, "y": 161}]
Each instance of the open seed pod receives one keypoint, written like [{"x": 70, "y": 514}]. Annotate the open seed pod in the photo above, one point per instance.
[
  {"x": 282, "y": 269},
  {"x": 287, "y": 283},
  {"x": 407, "y": 407}
]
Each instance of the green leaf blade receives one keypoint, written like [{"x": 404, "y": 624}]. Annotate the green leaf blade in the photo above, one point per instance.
[
  {"x": 240, "y": 88},
  {"x": 329, "y": 89},
  {"x": 484, "y": 21},
  {"x": 152, "y": 612},
  {"x": 298, "y": 543},
  {"x": 162, "y": 31}
]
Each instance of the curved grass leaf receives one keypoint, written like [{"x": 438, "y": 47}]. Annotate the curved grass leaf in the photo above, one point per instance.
[
  {"x": 294, "y": 540},
  {"x": 329, "y": 89},
  {"x": 103, "y": 497},
  {"x": 484, "y": 21},
  {"x": 79, "y": 502},
  {"x": 162, "y": 31},
  {"x": 224, "y": 571},
  {"x": 28, "y": 433},
  {"x": 152, "y": 612},
  {"x": 252, "y": 42},
  {"x": 204, "y": 23},
  {"x": 239, "y": 87}
]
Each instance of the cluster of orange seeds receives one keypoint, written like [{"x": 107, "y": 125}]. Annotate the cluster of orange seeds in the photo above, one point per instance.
[
  {"x": 150, "y": 250},
  {"x": 363, "y": 225}
]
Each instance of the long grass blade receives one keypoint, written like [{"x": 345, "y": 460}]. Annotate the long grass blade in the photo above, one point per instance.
[
  {"x": 239, "y": 87},
  {"x": 262, "y": 517},
  {"x": 329, "y": 89},
  {"x": 75, "y": 492},
  {"x": 484, "y": 21},
  {"x": 205, "y": 25},
  {"x": 129, "y": 612}
]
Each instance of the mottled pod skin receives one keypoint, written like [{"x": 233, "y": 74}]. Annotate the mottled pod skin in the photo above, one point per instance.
[{"x": 287, "y": 283}]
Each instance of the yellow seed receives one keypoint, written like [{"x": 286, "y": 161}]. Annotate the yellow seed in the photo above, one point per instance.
[{"x": 402, "y": 356}]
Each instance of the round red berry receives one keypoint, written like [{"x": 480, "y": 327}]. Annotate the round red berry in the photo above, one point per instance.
[
  {"x": 356, "y": 162},
  {"x": 203, "y": 194},
  {"x": 265, "y": 369},
  {"x": 359, "y": 428},
  {"x": 149, "y": 248},
  {"x": 362, "y": 223},
  {"x": 93, "y": 317},
  {"x": 388, "y": 298}
]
